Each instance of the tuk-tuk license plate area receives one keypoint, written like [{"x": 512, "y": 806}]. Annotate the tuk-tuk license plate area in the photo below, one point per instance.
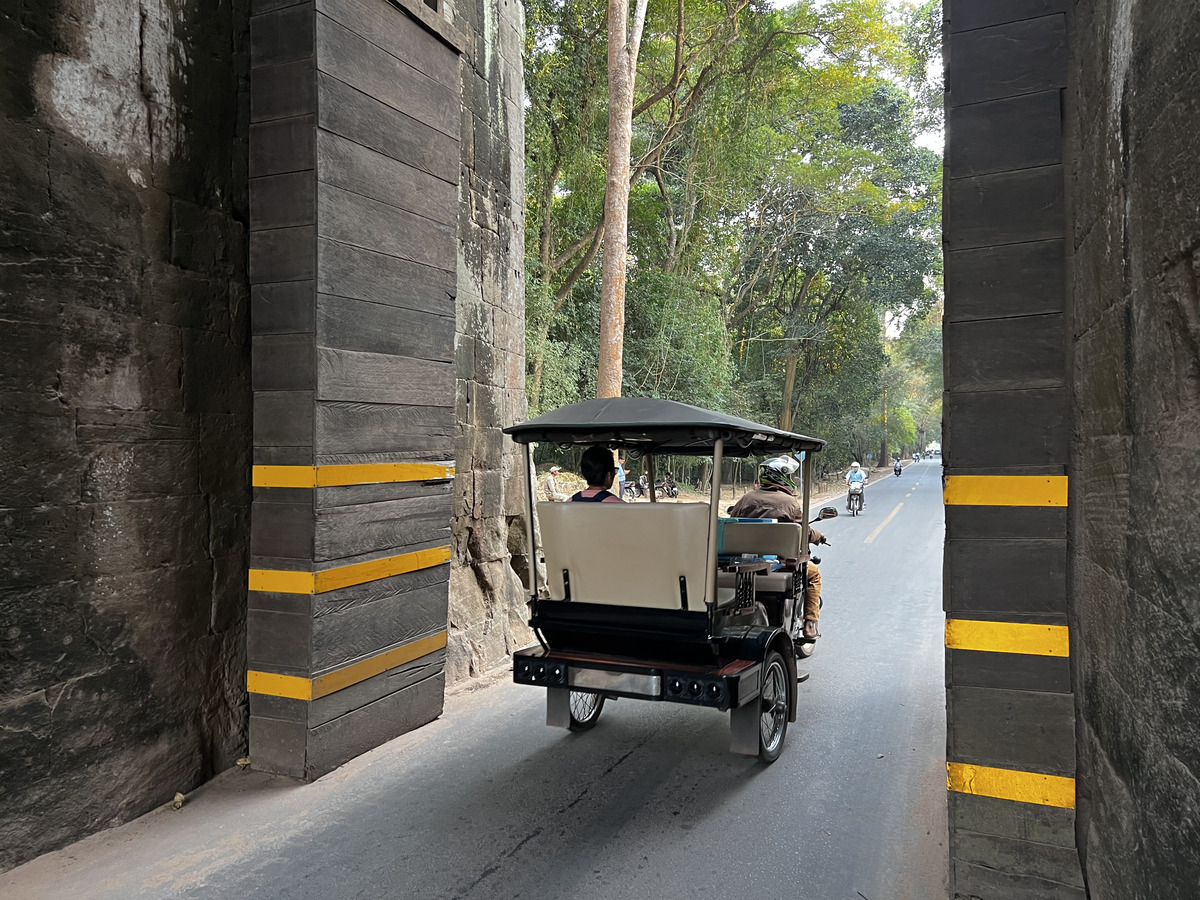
[
  {"x": 701, "y": 688},
  {"x": 629, "y": 684}
]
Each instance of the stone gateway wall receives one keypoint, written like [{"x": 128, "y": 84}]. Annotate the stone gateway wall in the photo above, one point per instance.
[
  {"x": 1135, "y": 452},
  {"x": 124, "y": 408},
  {"x": 487, "y": 601}
]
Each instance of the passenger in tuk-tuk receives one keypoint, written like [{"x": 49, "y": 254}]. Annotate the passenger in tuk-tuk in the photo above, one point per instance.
[
  {"x": 775, "y": 498},
  {"x": 598, "y": 470}
]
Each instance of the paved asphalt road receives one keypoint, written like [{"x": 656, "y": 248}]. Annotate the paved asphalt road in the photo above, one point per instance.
[{"x": 489, "y": 803}]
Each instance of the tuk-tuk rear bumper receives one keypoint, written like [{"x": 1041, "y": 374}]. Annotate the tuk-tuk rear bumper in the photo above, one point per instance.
[{"x": 728, "y": 684}]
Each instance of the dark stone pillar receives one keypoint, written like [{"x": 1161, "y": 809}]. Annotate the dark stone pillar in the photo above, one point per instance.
[
  {"x": 354, "y": 184},
  {"x": 1010, "y": 709}
]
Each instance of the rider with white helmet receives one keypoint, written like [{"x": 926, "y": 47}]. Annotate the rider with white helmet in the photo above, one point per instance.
[
  {"x": 775, "y": 498},
  {"x": 856, "y": 474}
]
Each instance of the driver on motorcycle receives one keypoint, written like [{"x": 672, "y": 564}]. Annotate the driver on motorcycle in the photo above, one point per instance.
[
  {"x": 856, "y": 474},
  {"x": 775, "y": 498}
]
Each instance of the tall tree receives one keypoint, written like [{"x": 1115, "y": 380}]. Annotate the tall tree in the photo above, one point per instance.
[{"x": 623, "y": 45}]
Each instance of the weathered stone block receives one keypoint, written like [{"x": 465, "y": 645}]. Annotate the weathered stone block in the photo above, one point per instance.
[
  {"x": 138, "y": 471},
  {"x": 39, "y": 545},
  {"x": 38, "y": 453},
  {"x": 1048, "y": 862},
  {"x": 343, "y": 634},
  {"x": 347, "y": 736}
]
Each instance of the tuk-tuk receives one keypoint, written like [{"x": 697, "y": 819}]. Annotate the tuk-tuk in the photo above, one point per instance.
[{"x": 665, "y": 601}]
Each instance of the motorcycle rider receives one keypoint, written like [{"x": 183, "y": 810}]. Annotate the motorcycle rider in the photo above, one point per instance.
[
  {"x": 898, "y": 467},
  {"x": 667, "y": 486},
  {"x": 775, "y": 498},
  {"x": 856, "y": 474}
]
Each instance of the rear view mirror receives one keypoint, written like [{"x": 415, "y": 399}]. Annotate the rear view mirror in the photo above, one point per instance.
[{"x": 827, "y": 512}]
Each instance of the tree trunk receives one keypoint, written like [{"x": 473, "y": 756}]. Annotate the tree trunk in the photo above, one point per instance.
[
  {"x": 538, "y": 347},
  {"x": 789, "y": 387},
  {"x": 622, "y": 64},
  {"x": 883, "y": 444}
]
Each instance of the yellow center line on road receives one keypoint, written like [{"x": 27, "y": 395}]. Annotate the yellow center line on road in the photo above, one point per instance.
[
  {"x": 874, "y": 534},
  {"x": 909, "y": 494}
]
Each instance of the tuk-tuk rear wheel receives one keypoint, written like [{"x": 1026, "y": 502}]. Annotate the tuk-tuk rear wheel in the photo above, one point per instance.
[
  {"x": 774, "y": 705},
  {"x": 585, "y": 710}
]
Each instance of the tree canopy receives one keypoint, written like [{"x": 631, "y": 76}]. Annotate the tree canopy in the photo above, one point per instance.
[{"x": 784, "y": 239}]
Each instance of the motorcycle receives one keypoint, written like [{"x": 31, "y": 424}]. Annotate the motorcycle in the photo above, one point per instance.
[
  {"x": 635, "y": 490},
  {"x": 666, "y": 487},
  {"x": 854, "y": 497},
  {"x": 898, "y": 468}
]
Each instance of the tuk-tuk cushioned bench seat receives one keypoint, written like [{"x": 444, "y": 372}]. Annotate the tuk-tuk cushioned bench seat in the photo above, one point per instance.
[
  {"x": 781, "y": 539},
  {"x": 627, "y": 554}
]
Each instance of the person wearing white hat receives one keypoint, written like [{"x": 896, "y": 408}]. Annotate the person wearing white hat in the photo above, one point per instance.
[{"x": 550, "y": 486}]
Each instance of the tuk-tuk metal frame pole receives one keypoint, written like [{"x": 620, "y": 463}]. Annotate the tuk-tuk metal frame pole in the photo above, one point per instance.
[
  {"x": 807, "y": 476},
  {"x": 714, "y": 513},
  {"x": 653, "y": 476},
  {"x": 531, "y": 491}
]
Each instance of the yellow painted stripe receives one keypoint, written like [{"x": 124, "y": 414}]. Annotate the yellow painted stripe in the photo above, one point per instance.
[
  {"x": 381, "y": 473},
  {"x": 287, "y": 582},
  {"x": 1008, "y": 637},
  {"x": 284, "y": 476},
  {"x": 1005, "y": 490},
  {"x": 1011, "y": 784},
  {"x": 874, "y": 534},
  {"x": 269, "y": 683},
  {"x": 326, "y": 684},
  {"x": 339, "y": 476},
  {"x": 281, "y": 581},
  {"x": 298, "y": 688},
  {"x": 373, "y": 570}
]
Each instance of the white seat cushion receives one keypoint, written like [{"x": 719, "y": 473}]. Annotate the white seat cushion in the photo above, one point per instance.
[
  {"x": 780, "y": 539},
  {"x": 626, "y": 554}
]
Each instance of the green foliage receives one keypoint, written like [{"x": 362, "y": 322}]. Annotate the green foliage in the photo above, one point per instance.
[{"x": 781, "y": 211}]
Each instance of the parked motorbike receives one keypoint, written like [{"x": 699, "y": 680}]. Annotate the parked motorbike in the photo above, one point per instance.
[
  {"x": 666, "y": 487},
  {"x": 854, "y": 497}
]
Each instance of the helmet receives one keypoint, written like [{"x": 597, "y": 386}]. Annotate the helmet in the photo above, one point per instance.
[
  {"x": 854, "y": 465},
  {"x": 779, "y": 471}
]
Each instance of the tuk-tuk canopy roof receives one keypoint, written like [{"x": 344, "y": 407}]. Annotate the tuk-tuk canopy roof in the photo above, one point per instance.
[{"x": 648, "y": 425}]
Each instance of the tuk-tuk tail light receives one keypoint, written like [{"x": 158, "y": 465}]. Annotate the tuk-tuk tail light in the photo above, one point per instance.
[
  {"x": 544, "y": 672},
  {"x": 705, "y": 690}
]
